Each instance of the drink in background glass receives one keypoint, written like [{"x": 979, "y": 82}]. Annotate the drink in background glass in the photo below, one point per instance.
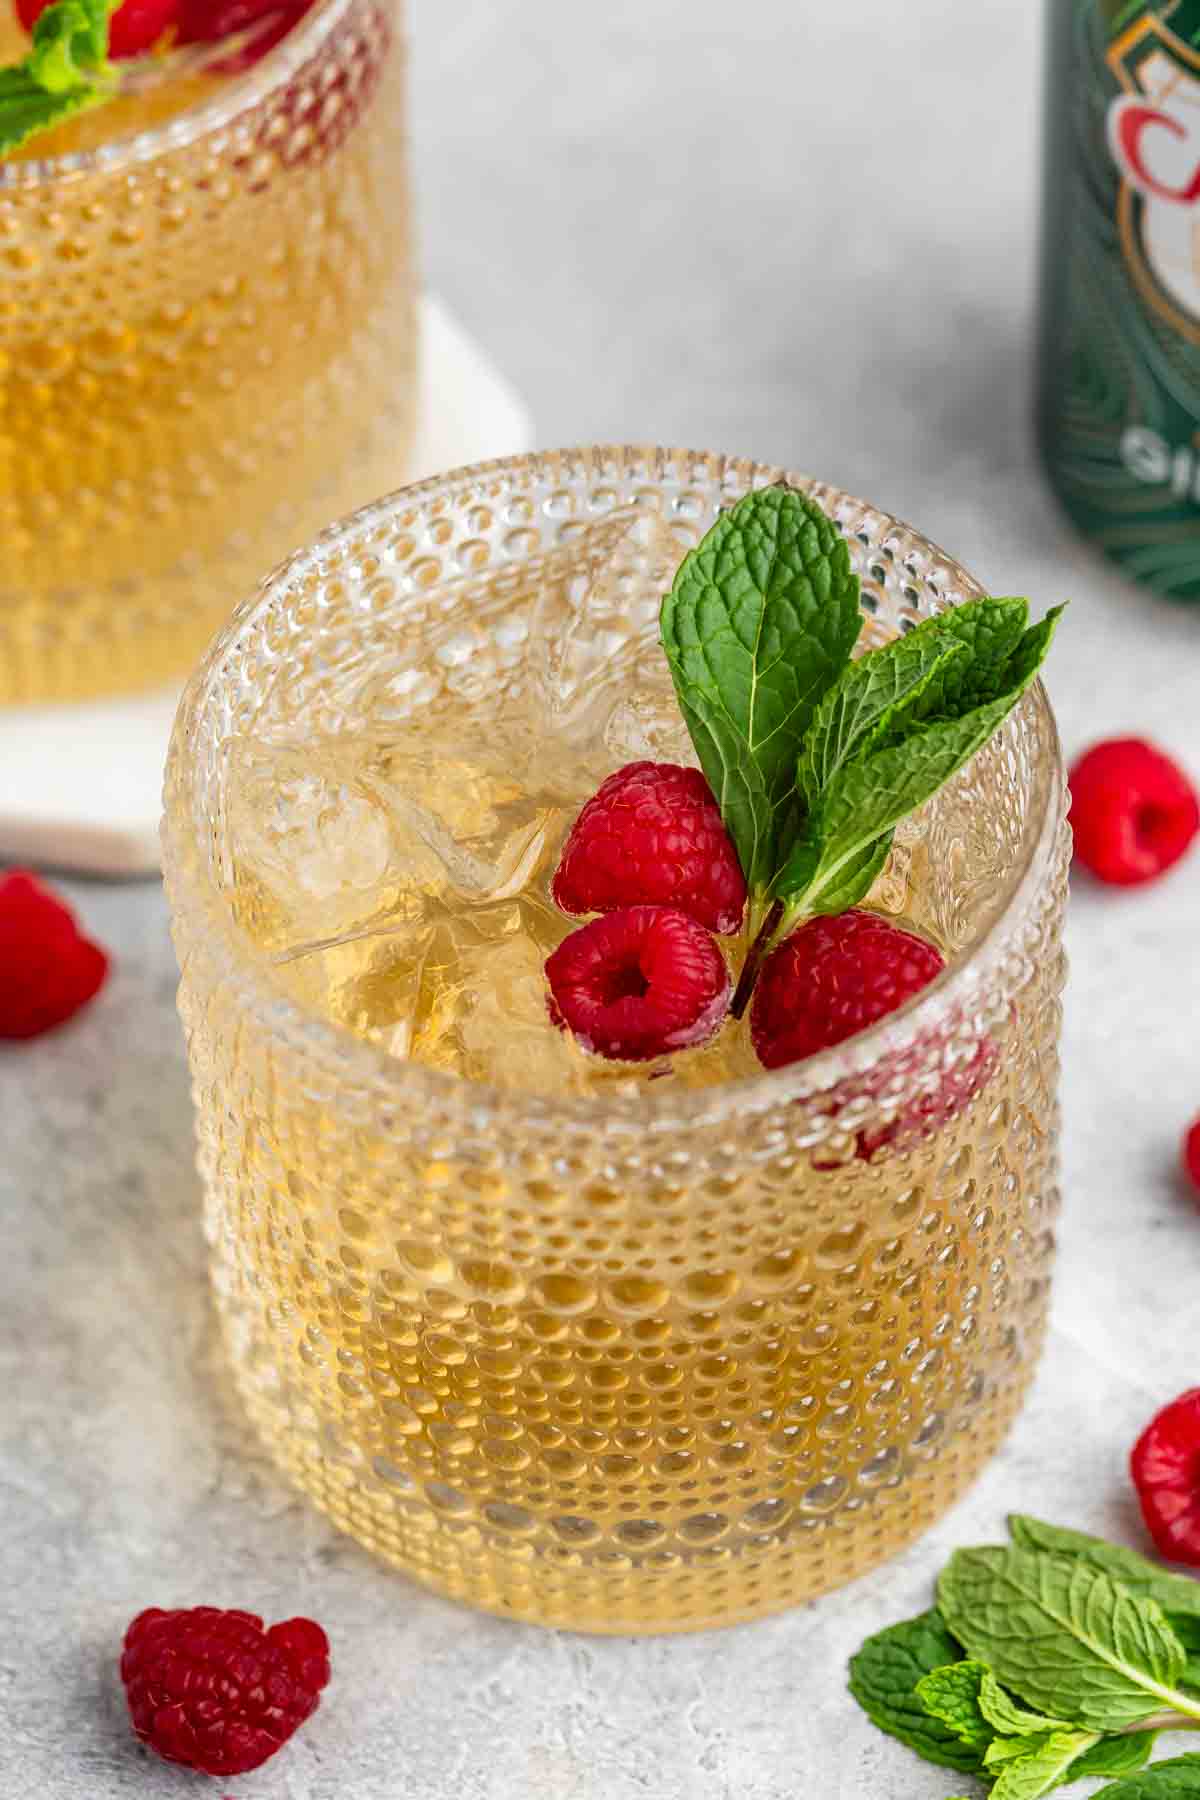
[
  {"x": 206, "y": 344},
  {"x": 1119, "y": 384},
  {"x": 594, "y": 1344}
]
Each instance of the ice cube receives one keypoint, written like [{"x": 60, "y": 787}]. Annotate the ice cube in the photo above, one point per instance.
[{"x": 594, "y": 637}]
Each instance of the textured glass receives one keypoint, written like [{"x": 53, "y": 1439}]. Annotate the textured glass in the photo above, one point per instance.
[
  {"x": 206, "y": 351},
  {"x": 653, "y": 1362}
]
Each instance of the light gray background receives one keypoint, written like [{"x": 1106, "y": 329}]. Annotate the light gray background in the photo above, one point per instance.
[{"x": 798, "y": 232}]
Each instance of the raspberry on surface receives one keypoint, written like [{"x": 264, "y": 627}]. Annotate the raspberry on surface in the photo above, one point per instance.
[
  {"x": 1165, "y": 1465},
  {"x": 48, "y": 970},
  {"x": 210, "y": 1689},
  {"x": 652, "y": 835},
  {"x": 135, "y": 27},
  {"x": 832, "y": 978},
  {"x": 636, "y": 984},
  {"x": 1191, "y": 1155},
  {"x": 1133, "y": 811}
]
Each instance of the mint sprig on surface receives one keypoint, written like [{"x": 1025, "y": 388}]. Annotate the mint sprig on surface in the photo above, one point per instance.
[
  {"x": 815, "y": 758},
  {"x": 1064, "y": 1664},
  {"x": 66, "y": 71}
]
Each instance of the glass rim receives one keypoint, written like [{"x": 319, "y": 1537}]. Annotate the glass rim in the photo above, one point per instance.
[
  {"x": 237, "y": 95},
  {"x": 389, "y": 1080}
]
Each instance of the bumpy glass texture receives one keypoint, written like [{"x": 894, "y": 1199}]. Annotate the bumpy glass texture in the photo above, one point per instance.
[
  {"x": 637, "y": 1359},
  {"x": 206, "y": 350}
]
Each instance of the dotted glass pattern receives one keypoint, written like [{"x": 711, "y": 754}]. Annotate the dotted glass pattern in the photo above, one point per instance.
[
  {"x": 646, "y": 1363},
  {"x": 206, "y": 351}
]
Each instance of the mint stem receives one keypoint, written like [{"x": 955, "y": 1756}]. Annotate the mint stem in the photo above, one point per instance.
[{"x": 755, "y": 958}]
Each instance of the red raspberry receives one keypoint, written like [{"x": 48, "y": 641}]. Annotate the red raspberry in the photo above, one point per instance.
[
  {"x": 652, "y": 836},
  {"x": 47, "y": 970},
  {"x": 133, "y": 29},
  {"x": 1191, "y": 1155},
  {"x": 212, "y": 1690},
  {"x": 208, "y": 21},
  {"x": 1134, "y": 812},
  {"x": 637, "y": 983},
  {"x": 1165, "y": 1465},
  {"x": 832, "y": 978}
]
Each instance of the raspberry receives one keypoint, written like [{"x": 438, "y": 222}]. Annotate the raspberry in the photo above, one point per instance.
[
  {"x": 832, "y": 978},
  {"x": 1134, "y": 812},
  {"x": 1165, "y": 1465},
  {"x": 134, "y": 28},
  {"x": 637, "y": 983},
  {"x": 212, "y": 1690},
  {"x": 652, "y": 836},
  {"x": 47, "y": 969},
  {"x": 208, "y": 21},
  {"x": 1191, "y": 1155}
]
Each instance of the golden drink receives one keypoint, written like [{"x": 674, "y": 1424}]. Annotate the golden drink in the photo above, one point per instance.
[
  {"x": 610, "y": 1346},
  {"x": 206, "y": 346}
]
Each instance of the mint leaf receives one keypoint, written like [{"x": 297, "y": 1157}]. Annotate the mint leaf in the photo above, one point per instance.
[
  {"x": 1063, "y": 1636},
  {"x": 871, "y": 793},
  {"x": 1042, "y": 1764},
  {"x": 951, "y": 1694},
  {"x": 883, "y": 1679},
  {"x": 868, "y": 697},
  {"x": 1174, "y": 1593},
  {"x": 1003, "y": 1713},
  {"x": 65, "y": 72},
  {"x": 1178, "y": 1779},
  {"x": 761, "y": 619},
  {"x": 27, "y": 108},
  {"x": 1123, "y": 1755}
]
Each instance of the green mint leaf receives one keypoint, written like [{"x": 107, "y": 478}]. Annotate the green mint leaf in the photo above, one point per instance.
[
  {"x": 65, "y": 72},
  {"x": 1063, "y": 1635},
  {"x": 867, "y": 698},
  {"x": 1006, "y": 1717},
  {"x": 1178, "y": 1779},
  {"x": 1174, "y": 1593},
  {"x": 761, "y": 619},
  {"x": 1123, "y": 1755},
  {"x": 1043, "y": 1763},
  {"x": 27, "y": 108},
  {"x": 883, "y": 1679},
  {"x": 70, "y": 42},
  {"x": 951, "y": 1694},
  {"x": 872, "y": 793},
  {"x": 990, "y": 631}
]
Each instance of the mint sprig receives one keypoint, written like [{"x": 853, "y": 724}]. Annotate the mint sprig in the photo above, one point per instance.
[
  {"x": 761, "y": 618},
  {"x": 815, "y": 758},
  {"x": 1062, "y": 1664},
  {"x": 66, "y": 71}
]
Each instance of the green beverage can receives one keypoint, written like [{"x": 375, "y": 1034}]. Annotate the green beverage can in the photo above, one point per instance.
[{"x": 1119, "y": 365}]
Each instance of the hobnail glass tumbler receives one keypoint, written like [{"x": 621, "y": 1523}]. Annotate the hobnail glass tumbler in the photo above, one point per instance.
[
  {"x": 206, "y": 352},
  {"x": 638, "y": 1363}
]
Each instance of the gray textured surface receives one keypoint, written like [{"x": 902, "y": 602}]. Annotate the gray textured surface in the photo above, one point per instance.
[{"x": 801, "y": 234}]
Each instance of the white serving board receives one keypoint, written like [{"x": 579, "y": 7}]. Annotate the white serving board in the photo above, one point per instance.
[{"x": 81, "y": 785}]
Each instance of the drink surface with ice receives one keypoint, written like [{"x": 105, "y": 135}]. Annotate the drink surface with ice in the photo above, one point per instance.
[
  {"x": 612, "y": 1346},
  {"x": 400, "y": 880}
]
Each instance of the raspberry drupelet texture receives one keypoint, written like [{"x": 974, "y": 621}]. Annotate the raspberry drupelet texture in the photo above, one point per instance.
[
  {"x": 212, "y": 1690},
  {"x": 48, "y": 969},
  {"x": 1165, "y": 1465},
  {"x": 834, "y": 977},
  {"x": 652, "y": 835},
  {"x": 638, "y": 983},
  {"x": 1133, "y": 811}
]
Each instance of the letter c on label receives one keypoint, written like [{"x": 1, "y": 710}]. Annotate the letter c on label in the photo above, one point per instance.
[{"x": 1128, "y": 122}]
